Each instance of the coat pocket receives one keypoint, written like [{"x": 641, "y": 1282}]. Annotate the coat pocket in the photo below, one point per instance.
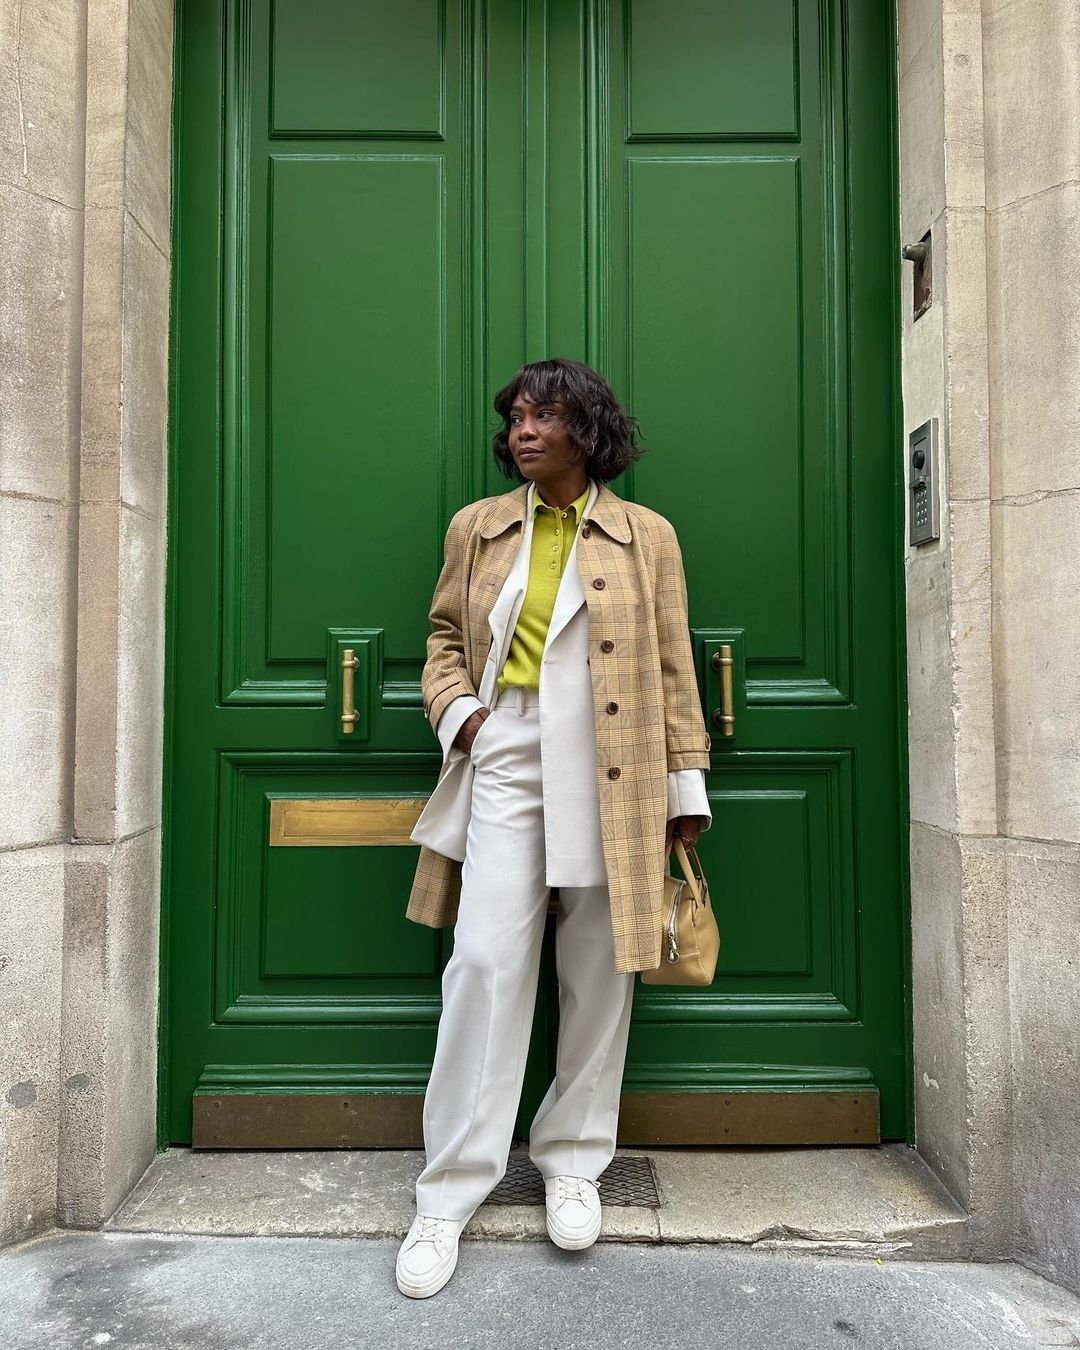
[{"x": 480, "y": 736}]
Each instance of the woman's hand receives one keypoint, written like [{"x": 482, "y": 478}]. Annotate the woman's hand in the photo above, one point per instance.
[
  {"x": 689, "y": 827},
  {"x": 468, "y": 729}
]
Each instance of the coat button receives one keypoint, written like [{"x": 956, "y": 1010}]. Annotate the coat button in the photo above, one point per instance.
[
  {"x": 613, "y": 707},
  {"x": 614, "y": 771},
  {"x": 584, "y": 531},
  {"x": 607, "y": 645},
  {"x": 599, "y": 583},
  {"x": 708, "y": 741}
]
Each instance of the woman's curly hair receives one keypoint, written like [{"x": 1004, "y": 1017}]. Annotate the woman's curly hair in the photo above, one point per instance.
[{"x": 595, "y": 420}]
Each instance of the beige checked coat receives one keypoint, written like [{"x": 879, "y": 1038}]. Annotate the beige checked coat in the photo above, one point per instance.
[{"x": 640, "y": 660}]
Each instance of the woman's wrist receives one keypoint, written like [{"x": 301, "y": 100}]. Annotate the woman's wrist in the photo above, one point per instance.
[
  {"x": 470, "y": 727},
  {"x": 688, "y": 828}
]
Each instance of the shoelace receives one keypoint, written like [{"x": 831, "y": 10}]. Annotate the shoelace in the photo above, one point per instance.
[
  {"x": 571, "y": 1188},
  {"x": 431, "y": 1230}
]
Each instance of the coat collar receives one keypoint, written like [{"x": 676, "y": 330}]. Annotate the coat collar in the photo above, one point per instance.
[{"x": 509, "y": 509}]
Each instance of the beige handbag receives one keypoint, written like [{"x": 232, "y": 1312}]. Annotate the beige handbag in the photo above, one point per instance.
[{"x": 691, "y": 942}]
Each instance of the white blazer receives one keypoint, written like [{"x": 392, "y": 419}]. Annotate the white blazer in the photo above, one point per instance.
[{"x": 574, "y": 845}]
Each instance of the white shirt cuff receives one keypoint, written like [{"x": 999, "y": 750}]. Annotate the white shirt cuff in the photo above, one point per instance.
[
  {"x": 454, "y": 714},
  {"x": 686, "y": 795}
]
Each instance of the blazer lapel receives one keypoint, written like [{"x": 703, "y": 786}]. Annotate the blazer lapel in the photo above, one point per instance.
[{"x": 570, "y": 597}]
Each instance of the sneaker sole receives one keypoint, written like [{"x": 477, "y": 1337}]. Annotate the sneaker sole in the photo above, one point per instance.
[
  {"x": 433, "y": 1285},
  {"x": 575, "y": 1244}
]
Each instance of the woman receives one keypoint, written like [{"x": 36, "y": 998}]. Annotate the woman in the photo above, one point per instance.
[{"x": 560, "y": 682}]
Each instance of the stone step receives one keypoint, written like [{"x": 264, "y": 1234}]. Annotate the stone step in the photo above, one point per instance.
[{"x": 882, "y": 1201}]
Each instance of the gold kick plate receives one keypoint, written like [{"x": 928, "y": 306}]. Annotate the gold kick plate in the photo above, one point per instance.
[{"x": 394, "y": 1120}]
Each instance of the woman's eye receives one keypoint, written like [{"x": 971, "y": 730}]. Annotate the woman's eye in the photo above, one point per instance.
[{"x": 544, "y": 412}]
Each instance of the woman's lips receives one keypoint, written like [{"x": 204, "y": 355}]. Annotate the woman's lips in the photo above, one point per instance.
[{"x": 529, "y": 454}]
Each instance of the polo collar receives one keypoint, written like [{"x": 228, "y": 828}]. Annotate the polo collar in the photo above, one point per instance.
[
  {"x": 579, "y": 503},
  {"x": 509, "y": 509}
]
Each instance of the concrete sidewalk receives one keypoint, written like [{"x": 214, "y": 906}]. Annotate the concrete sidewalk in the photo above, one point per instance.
[{"x": 143, "y": 1292}]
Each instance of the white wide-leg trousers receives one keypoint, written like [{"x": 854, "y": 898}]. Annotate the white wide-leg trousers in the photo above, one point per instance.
[{"x": 489, "y": 991}]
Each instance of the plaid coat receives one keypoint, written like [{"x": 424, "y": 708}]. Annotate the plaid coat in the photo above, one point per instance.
[{"x": 640, "y": 656}]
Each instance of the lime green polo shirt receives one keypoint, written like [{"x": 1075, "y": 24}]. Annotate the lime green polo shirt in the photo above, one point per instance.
[{"x": 553, "y": 533}]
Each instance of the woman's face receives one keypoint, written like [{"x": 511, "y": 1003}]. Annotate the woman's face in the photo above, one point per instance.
[{"x": 539, "y": 441}]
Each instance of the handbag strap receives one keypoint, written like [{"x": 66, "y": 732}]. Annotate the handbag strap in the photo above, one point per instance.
[{"x": 692, "y": 874}]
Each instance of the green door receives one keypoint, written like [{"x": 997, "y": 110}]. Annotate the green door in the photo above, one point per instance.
[{"x": 381, "y": 210}]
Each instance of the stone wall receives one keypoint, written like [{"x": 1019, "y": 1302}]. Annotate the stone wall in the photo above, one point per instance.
[
  {"x": 959, "y": 936},
  {"x": 989, "y": 133},
  {"x": 85, "y": 123},
  {"x": 1032, "y": 65}
]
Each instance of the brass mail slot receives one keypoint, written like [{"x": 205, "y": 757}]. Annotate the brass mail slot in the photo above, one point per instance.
[{"x": 341, "y": 822}]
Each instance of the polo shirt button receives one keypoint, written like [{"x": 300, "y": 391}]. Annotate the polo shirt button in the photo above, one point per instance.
[
  {"x": 614, "y": 772},
  {"x": 613, "y": 707},
  {"x": 607, "y": 645},
  {"x": 599, "y": 583}
]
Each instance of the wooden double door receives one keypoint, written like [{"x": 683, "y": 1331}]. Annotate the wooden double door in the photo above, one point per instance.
[{"x": 381, "y": 211}]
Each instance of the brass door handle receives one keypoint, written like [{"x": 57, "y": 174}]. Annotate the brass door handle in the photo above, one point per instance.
[
  {"x": 724, "y": 716},
  {"x": 349, "y": 666}
]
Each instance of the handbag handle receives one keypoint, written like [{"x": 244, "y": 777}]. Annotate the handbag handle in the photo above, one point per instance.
[{"x": 692, "y": 874}]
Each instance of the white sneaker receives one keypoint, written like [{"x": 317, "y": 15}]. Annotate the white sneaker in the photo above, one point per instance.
[
  {"x": 428, "y": 1256},
  {"x": 573, "y": 1211}
]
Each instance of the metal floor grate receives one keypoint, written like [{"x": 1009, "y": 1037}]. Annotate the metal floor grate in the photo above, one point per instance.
[{"x": 626, "y": 1181}]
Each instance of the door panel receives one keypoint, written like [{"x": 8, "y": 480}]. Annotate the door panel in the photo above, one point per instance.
[
  {"x": 731, "y": 281},
  {"x": 381, "y": 211}
]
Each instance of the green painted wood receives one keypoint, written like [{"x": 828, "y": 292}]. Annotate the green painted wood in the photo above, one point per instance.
[{"x": 380, "y": 212}]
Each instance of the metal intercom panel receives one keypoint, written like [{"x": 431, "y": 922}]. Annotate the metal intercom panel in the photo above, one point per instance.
[{"x": 924, "y": 515}]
